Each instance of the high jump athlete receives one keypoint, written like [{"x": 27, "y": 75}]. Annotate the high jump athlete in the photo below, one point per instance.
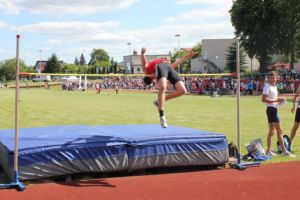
[{"x": 161, "y": 70}]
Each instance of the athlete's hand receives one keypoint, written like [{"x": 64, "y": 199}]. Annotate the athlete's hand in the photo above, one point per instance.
[
  {"x": 143, "y": 50},
  {"x": 293, "y": 109},
  {"x": 281, "y": 99}
]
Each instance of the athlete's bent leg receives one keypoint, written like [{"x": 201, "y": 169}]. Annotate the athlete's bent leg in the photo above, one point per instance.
[
  {"x": 180, "y": 90},
  {"x": 162, "y": 93},
  {"x": 161, "y": 101}
]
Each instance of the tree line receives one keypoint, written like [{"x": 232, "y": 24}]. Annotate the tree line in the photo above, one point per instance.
[{"x": 99, "y": 63}]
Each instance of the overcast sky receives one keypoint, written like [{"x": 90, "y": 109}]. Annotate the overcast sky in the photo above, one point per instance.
[{"x": 71, "y": 27}]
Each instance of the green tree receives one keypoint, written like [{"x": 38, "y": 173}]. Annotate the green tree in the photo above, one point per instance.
[
  {"x": 70, "y": 68},
  {"x": 100, "y": 56},
  {"x": 298, "y": 45},
  {"x": 115, "y": 67},
  {"x": 231, "y": 58},
  {"x": 198, "y": 48},
  {"x": 76, "y": 61},
  {"x": 82, "y": 60},
  {"x": 102, "y": 64},
  {"x": 100, "y": 59},
  {"x": 53, "y": 65},
  {"x": 289, "y": 28},
  {"x": 8, "y": 69},
  {"x": 255, "y": 23}
]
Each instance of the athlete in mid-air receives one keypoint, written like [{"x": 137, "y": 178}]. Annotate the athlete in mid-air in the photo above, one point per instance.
[{"x": 161, "y": 70}]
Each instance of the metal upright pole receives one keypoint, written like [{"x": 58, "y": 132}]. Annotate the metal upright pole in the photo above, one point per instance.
[
  {"x": 239, "y": 165},
  {"x": 16, "y": 183},
  {"x": 238, "y": 99},
  {"x": 17, "y": 106}
]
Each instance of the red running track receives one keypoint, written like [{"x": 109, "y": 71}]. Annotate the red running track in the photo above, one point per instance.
[{"x": 267, "y": 182}]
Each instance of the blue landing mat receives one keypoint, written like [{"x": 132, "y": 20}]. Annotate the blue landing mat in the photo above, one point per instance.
[{"x": 61, "y": 150}]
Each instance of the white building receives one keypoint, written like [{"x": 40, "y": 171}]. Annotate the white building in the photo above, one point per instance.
[{"x": 213, "y": 58}]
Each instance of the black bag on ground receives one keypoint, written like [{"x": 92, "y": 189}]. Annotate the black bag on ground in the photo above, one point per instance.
[
  {"x": 286, "y": 142},
  {"x": 232, "y": 150}
]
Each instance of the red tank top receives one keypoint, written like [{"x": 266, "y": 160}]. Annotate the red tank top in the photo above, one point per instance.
[{"x": 150, "y": 69}]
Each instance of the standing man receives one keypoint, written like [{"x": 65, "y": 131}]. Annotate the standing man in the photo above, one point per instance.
[
  {"x": 270, "y": 97},
  {"x": 163, "y": 71},
  {"x": 98, "y": 88},
  {"x": 117, "y": 86},
  {"x": 297, "y": 116}
]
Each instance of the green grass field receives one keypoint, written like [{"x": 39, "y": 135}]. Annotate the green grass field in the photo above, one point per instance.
[{"x": 40, "y": 107}]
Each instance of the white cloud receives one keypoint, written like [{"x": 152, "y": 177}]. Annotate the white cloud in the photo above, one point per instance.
[
  {"x": 67, "y": 28},
  {"x": 53, "y": 42},
  {"x": 69, "y": 42},
  {"x": 64, "y": 7},
  {"x": 210, "y": 9},
  {"x": 199, "y": 16},
  {"x": 203, "y": 23},
  {"x": 2, "y": 24},
  {"x": 208, "y": 2},
  {"x": 70, "y": 39}
]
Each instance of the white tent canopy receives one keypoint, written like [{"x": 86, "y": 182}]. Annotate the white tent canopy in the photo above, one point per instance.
[{"x": 70, "y": 78}]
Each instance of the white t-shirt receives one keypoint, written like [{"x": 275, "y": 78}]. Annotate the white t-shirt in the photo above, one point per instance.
[{"x": 272, "y": 93}]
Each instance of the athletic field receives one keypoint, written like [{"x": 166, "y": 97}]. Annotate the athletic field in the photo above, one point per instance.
[{"x": 40, "y": 107}]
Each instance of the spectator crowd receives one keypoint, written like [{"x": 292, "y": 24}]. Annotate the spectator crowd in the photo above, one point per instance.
[{"x": 195, "y": 85}]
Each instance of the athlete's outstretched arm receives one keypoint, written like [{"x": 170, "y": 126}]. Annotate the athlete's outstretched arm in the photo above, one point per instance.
[
  {"x": 181, "y": 60},
  {"x": 143, "y": 59}
]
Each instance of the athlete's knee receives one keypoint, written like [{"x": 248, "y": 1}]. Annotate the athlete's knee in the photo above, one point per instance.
[
  {"x": 279, "y": 132},
  {"x": 180, "y": 88},
  {"x": 183, "y": 91},
  {"x": 271, "y": 133},
  {"x": 163, "y": 88}
]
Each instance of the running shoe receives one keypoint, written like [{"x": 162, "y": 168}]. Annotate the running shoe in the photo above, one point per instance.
[
  {"x": 288, "y": 154},
  {"x": 271, "y": 153},
  {"x": 163, "y": 122}
]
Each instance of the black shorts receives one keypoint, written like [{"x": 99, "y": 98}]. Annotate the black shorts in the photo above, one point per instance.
[
  {"x": 165, "y": 70},
  {"x": 297, "y": 116},
  {"x": 272, "y": 115}
]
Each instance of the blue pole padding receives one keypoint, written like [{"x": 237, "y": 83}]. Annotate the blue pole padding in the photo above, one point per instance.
[
  {"x": 16, "y": 176},
  {"x": 242, "y": 166},
  {"x": 16, "y": 184},
  {"x": 5, "y": 186},
  {"x": 238, "y": 158}
]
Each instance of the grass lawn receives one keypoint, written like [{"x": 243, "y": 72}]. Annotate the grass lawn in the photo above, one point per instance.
[{"x": 40, "y": 107}]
